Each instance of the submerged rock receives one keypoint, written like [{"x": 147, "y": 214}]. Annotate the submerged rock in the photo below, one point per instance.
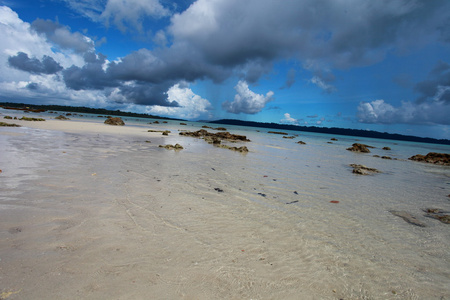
[
  {"x": 61, "y": 117},
  {"x": 386, "y": 148},
  {"x": 31, "y": 119},
  {"x": 277, "y": 132},
  {"x": 357, "y": 147},
  {"x": 407, "y": 217},
  {"x": 3, "y": 124},
  {"x": 172, "y": 147},
  {"x": 301, "y": 143},
  {"x": 114, "y": 121},
  {"x": 437, "y": 214},
  {"x": 433, "y": 158},
  {"x": 363, "y": 170}
]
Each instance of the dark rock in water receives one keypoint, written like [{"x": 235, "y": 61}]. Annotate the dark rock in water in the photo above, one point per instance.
[
  {"x": 261, "y": 194},
  {"x": 220, "y": 135},
  {"x": 376, "y": 155},
  {"x": 61, "y": 117},
  {"x": 357, "y": 147},
  {"x": 292, "y": 202},
  {"x": 277, "y": 132},
  {"x": 219, "y": 190},
  {"x": 407, "y": 217},
  {"x": 3, "y": 124},
  {"x": 114, "y": 121},
  {"x": 386, "y": 157},
  {"x": 31, "y": 119},
  {"x": 301, "y": 143},
  {"x": 334, "y": 139},
  {"x": 288, "y": 137},
  {"x": 172, "y": 147},
  {"x": 433, "y": 158},
  {"x": 166, "y": 132},
  {"x": 363, "y": 170},
  {"x": 7, "y": 117},
  {"x": 386, "y": 148},
  {"x": 437, "y": 214},
  {"x": 183, "y": 124}
]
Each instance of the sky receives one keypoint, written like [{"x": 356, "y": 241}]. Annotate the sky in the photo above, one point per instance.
[{"x": 374, "y": 65}]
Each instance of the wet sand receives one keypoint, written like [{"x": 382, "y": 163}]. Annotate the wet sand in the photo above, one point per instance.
[{"x": 91, "y": 211}]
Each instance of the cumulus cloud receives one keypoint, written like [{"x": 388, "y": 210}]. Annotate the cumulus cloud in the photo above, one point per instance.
[
  {"x": 247, "y": 101},
  {"x": 289, "y": 120},
  {"x": 190, "y": 105},
  {"x": 379, "y": 111},
  {"x": 33, "y": 65}
]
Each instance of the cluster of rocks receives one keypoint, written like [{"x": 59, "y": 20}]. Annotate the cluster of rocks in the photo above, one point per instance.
[
  {"x": 215, "y": 137},
  {"x": 433, "y": 158},
  {"x": 117, "y": 121}
]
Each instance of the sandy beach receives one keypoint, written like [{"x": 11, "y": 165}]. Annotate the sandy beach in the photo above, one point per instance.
[{"x": 93, "y": 211}]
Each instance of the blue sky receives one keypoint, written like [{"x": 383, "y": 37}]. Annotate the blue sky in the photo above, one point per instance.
[{"x": 379, "y": 65}]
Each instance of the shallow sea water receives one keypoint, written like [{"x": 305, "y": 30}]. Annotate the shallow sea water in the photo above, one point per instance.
[{"x": 103, "y": 215}]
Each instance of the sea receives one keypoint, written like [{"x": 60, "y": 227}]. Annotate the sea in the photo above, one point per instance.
[{"x": 281, "y": 221}]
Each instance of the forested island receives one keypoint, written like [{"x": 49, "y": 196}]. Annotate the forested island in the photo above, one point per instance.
[
  {"x": 77, "y": 109},
  {"x": 335, "y": 130}
]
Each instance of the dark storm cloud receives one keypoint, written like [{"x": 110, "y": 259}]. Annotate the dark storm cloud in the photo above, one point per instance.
[
  {"x": 33, "y": 65},
  {"x": 437, "y": 86},
  {"x": 61, "y": 35},
  {"x": 214, "y": 40},
  {"x": 149, "y": 94}
]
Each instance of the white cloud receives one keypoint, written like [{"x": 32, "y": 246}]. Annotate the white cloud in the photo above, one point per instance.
[
  {"x": 247, "y": 101},
  {"x": 379, "y": 111},
  {"x": 191, "y": 106},
  {"x": 328, "y": 88},
  {"x": 289, "y": 120}
]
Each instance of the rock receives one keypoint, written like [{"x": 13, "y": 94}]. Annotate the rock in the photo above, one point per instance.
[
  {"x": 334, "y": 139},
  {"x": 31, "y": 119},
  {"x": 386, "y": 148},
  {"x": 386, "y": 157},
  {"x": 357, "y": 147},
  {"x": 183, "y": 124},
  {"x": 156, "y": 122},
  {"x": 363, "y": 170},
  {"x": 3, "y": 124},
  {"x": 61, "y": 117},
  {"x": 437, "y": 214},
  {"x": 221, "y": 128},
  {"x": 288, "y": 137},
  {"x": 301, "y": 143},
  {"x": 166, "y": 132},
  {"x": 433, "y": 158},
  {"x": 407, "y": 217},
  {"x": 7, "y": 117},
  {"x": 278, "y": 132},
  {"x": 172, "y": 147},
  {"x": 114, "y": 121}
]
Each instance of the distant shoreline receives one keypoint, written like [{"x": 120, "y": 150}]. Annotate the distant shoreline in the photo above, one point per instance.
[
  {"x": 326, "y": 130},
  {"x": 335, "y": 130}
]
